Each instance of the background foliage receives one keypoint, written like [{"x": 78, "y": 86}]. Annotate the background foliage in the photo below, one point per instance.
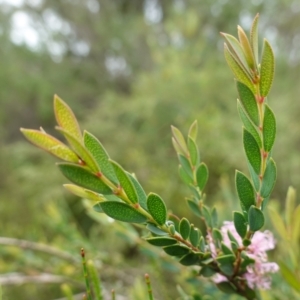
[{"x": 129, "y": 69}]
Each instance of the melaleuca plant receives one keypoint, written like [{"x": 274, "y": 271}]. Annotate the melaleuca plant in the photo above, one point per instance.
[{"x": 234, "y": 256}]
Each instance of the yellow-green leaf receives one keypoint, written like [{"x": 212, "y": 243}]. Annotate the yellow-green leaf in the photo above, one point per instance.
[
  {"x": 179, "y": 139},
  {"x": 254, "y": 38},
  {"x": 296, "y": 225},
  {"x": 193, "y": 131},
  {"x": 267, "y": 69},
  {"x": 50, "y": 144},
  {"x": 246, "y": 47},
  {"x": 277, "y": 222},
  {"x": 237, "y": 69},
  {"x": 82, "y": 177},
  {"x": 66, "y": 119},
  {"x": 290, "y": 203},
  {"x": 81, "y": 151},
  {"x": 84, "y": 193}
]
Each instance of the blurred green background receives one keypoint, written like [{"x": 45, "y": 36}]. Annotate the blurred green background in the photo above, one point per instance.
[{"x": 129, "y": 69}]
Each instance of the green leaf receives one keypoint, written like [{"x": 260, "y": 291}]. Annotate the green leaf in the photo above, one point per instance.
[
  {"x": 79, "y": 148},
  {"x": 179, "y": 139},
  {"x": 240, "y": 223},
  {"x": 185, "y": 165},
  {"x": 237, "y": 51},
  {"x": 97, "y": 208},
  {"x": 248, "y": 123},
  {"x": 49, "y": 143},
  {"x": 232, "y": 239},
  {"x": 194, "y": 207},
  {"x": 226, "y": 250},
  {"x": 248, "y": 102},
  {"x": 226, "y": 263},
  {"x": 214, "y": 217},
  {"x": 254, "y": 177},
  {"x": 157, "y": 208},
  {"x": 207, "y": 271},
  {"x": 84, "y": 178},
  {"x": 202, "y": 244},
  {"x": 140, "y": 191},
  {"x": 193, "y": 131},
  {"x": 289, "y": 276},
  {"x": 177, "y": 147},
  {"x": 194, "y": 236},
  {"x": 66, "y": 119},
  {"x": 184, "y": 228},
  {"x": 176, "y": 250},
  {"x": 254, "y": 38},
  {"x": 189, "y": 259},
  {"x": 193, "y": 151},
  {"x": 202, "y": 176},
  {"x": 290, "y": 204},
  {"x": 83, "y": 193},
  {"x": 256, "y": 218},
  {"x": 269, "y": 179},
  {"x": 238, "y": 70},
  {"x": 246, "y": 48},
  {"x": 100, "y": 156},
  {"x": 266, "y": 69},
  {"x": 269, "y": 129},
  {"x": 187, "y": 179},
  {"x": 207, "y": 215},
  {"x": 217, "y": 236},
  {"x": 161, "y": 241},
  {"x": 125, "y": 182},
  {"x": 296, "y": 225},
  {"x": 252, "y": 151},
  {"x": 155, "y": 230},
  {"x": 122, "y": 212},
  {"x": 226, "y": 287},
  {"x": 278, "y": 223},
  {"x": 245, "y": 191}
]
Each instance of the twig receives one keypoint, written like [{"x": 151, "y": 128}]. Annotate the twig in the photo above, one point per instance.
[{"x": 38, "y": 247}]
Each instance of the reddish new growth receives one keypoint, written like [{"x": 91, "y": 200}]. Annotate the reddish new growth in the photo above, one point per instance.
[
  {"x": 260, "y": 99},
  {"x": 81, "y": 162},
  {"x": 136, "y": 206},
  {"x": 99, "y": 174},
  {"x": 82, "y": 253}
]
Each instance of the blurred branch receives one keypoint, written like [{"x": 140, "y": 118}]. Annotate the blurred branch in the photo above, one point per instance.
[
  {"x": 18, "y": 279},
  {"x": 38, "y": 247}
]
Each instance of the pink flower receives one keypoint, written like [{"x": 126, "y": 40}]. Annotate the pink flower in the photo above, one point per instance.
[{"x": 257, "y": 275}]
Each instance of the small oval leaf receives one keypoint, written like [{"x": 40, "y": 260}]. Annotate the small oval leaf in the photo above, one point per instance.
[
  {"x": 248, "y": 124},
  {"x": 82, "y": 177},
  {"x": 157, "y": 208},
  {"x": 125, "y": 182},
  {"x": 84, "y": 193},
  {"x": 193, "y": 151},
  {"x": 79, "y": 148},
  {"x": 193, "y": 131},
  {"x": 179, "y": 139},
  {"x": 189, "y": 259},
  {"x": 176, "y": 250},
  {"x": 256, "y": 218},
  {"x": 269, "y": 179},
  {"x": 269, "y": 129},
  {"x": 194, "y": 236},
  {"x": 122, "y": 212},
  {"x": 184, "y": 228},
  {"x": 50, "y": 144},
  {"x": 140, "y": 191},
  {"x": 245, "y": 191},
  {"x": 240, "y": 223},
  {"x": 252, "y": 151},
  {"x": 100, "y": 156},
  {"x": 66, "y": 119},
  {"x": 202, "y": 176},
  {"x": 248, "y": 102},
  {"x": 161, "y": 241},
  {"x": 266, "y": 69},
  {"x": 239, "y": 72}
]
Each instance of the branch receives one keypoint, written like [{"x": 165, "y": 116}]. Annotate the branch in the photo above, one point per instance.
[{"x": 38, "y": 247}]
